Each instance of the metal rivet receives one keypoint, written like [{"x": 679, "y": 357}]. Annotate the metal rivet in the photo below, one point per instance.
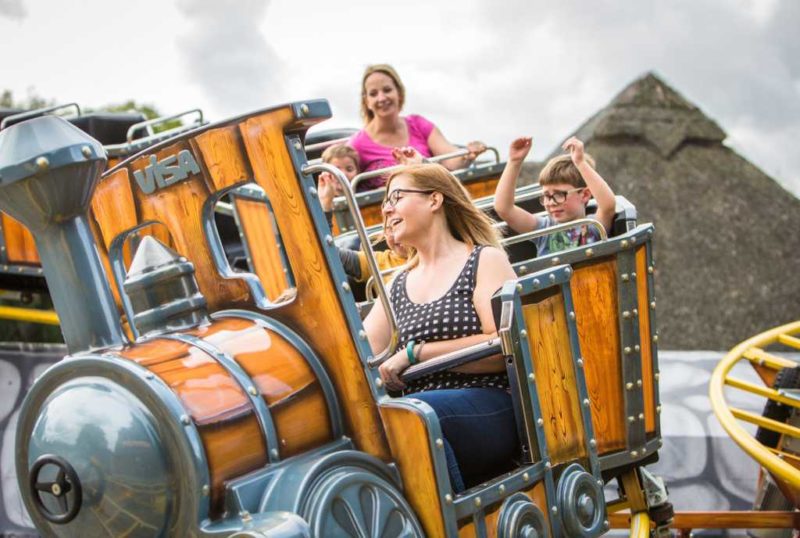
[
  {"x": 580, "y": 363},
  {"x": 525, "y": 477},
  {"x": 638, "y": 382},
  {"x": 252, "y": 390},
  {"x": 149, "y": 376},
  {"x": 568, "y": 271},
  {"x": 626, "y": 314},
  {"x": 636, "y": 347},
  {"x": 589, "y": 252},
  {"x": 501, "y": 488},
  {"x": 298, "y": 145},
  {"x": 552, "y": 277},
  {"x": 519, "y": 288},
  {"x": 531, "y": 377},
  {"x": 641, "y": 416},
  {"x": 657, "y": 376},
  {"x": 548, "y": 465},
  {"x": 313, "y": 191},
  {"x": 523, "y": 333},
  {"x": 650, "y": 269},
  {"x": 586, "y": 402},
  {"x": 439, "y": 443},
  {"x": 644, "y": 450},
  {"x": 536, "y": 283},
  {"x": 378, "y": 382},
  {"x": 658, "y": 409},
  {"x": 42, "y": 163},
  {"x": 87, "y": 151},
  {"x": 477, "y": 501},
  {"x": 627, "y": 350},
  {"x": 329, "y": 239},
  {"x": 540, "y": 422},
  {"x": 625, "y": 277},
  {"x": 362, "y": 334},
  {"x": 186, "y": 420},
  {"x": 655, "y": 338},
  {"x": 554, "y": 510},
  {"x": 635, "y": 311},
  {"x": 206, "y": 490},
  {"x": 556, "y": 260},
  {"x": 633, "y": 274},
  {"x": 634, "y": 453},
  {"x": 274, "y": 452},
  {"x": 629, "y": 385},
  {"x": 245, "y": 515},
  {"x": 523, "y": 269},
  {"x": 606, "y": 524},
  {"x": 572, "y": 315},
  {"x": 653, "y": 305},
  {"x": 448, "y": 498},
  {"x": 660, "y": 443},
  {"x": 593, "y": 443},
  {"x": 624, "y": 243},
  {"x": 631, "y": 419},
  {"x": 600, "y": 482},
  {"x": 346, "y": 286},
  {"x": 304, "y": 109}
]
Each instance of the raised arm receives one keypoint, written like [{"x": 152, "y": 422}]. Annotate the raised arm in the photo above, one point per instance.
[
  {"x": 439, "y": 145},
  {"x": 606, "y": 202},
  {"x": 517, "y": 218}
]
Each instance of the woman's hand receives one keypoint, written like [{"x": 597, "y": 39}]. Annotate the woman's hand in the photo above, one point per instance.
[
  {"x": 407, "y": 155},
  {"x": 391, "y": 369},
  {"x": 327, "y": 188},
  {"x": 475, "y": 148}
]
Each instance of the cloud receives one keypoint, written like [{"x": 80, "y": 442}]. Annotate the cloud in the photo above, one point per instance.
[
  {"x": 226, "y": 54},
  {"x": 12, "y": 9}
]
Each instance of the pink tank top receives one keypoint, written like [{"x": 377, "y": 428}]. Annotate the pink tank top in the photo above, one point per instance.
[{"x": 374, "y": 156}]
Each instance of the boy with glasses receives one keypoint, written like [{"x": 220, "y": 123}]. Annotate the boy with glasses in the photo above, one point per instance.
[{"x": 568, "y": 183}]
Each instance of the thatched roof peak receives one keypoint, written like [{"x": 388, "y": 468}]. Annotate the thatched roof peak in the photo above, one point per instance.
[{"x": 649, "y": 110}]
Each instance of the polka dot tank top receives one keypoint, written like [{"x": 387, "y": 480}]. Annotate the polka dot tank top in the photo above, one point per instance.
[{"x": 450, "y": 316}]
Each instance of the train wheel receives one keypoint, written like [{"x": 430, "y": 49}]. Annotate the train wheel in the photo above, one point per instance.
[
  {"x": 520, "y": 518},
  {"x": 350, "y": 501},
  {"x": 580, "y": 503}
]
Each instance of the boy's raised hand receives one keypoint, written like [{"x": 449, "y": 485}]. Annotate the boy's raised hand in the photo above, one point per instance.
[
  {"x": 519, "y": 148},
  {"x": 327, "y": 188},
  {"x": 575, "y": 149}
]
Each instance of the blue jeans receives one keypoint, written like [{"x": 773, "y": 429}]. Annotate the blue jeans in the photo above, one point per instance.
[{"x": 480, "y": 433}]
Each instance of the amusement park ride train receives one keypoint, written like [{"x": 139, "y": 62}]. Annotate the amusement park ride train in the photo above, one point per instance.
[{"x": 219, "y": 380}]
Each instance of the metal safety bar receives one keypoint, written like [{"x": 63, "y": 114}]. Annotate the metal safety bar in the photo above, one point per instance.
[
  {"x": 388, "y": 170},
  {"x": 552, "y": 229},
  {"x": 372, "y": 264},
  {"x": 325, "y": 145},
  {"x": 38, "y": 112},
  {"x": 472, "y": 353},
  {"x": 148, "y": 124},
  {"x": 728, "y": 416}
]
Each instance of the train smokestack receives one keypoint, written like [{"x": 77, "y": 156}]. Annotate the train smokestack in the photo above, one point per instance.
[{"x": 48, "y": 172}]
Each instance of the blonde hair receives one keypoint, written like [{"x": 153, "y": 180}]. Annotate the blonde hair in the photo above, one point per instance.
[
  {"x": 341, "y": 151},
  {"x": 561, "y": 169},
  {"x": 465, "y": 222},
  {"x": 389, "y": 71}
]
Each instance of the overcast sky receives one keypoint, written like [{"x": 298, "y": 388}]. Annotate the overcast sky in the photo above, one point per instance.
[{"x": 478, "y": 69}]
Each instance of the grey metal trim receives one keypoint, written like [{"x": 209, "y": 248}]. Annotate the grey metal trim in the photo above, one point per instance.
[
  {"x": 540, "y": 232},
  {"x": 499, "y": 489},
  {"x": 26, "y": 270},
  {"x": 246, "y": 383},
  {"x": 357, "y": 333},
  {"x": 334, "y": 412},
  {"x": 15, "y": 118},
  {"x": 651, "y": 300},
  {"x": 630, "y": 350},
  {"x": 251, "y": 280},
  {"x": 372, "y": 264},
  {"x": 443, "y": 486},
  {"x": 148, "y": 124},
  {"x": 623, "y": 458},
  {"x": 3, "y": 252},
  {"x": 580, "y": 379}
]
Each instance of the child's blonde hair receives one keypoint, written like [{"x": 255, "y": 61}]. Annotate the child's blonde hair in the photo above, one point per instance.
[
  {"x": 341, "y": 151},
  {"x": 561, "y": 169}
]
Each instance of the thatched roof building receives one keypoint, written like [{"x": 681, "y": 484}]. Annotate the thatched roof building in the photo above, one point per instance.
[{"x": 727, "y": 235}]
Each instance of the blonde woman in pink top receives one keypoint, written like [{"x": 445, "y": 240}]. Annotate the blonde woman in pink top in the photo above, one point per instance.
[{"x": 388, "y": 138}]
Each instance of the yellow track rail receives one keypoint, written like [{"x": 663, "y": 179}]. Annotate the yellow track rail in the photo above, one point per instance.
[
  {"x": 752, "y": 350},
  {"x": 31, "y": 315}
]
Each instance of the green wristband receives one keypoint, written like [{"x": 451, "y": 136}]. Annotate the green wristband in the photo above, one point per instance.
[{"x": 410, "y": 352}]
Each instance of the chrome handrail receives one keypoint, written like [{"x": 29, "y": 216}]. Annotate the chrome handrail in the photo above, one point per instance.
[
  {"x": 148, "y": 124},
  {"x": 556, "y": 228},
  {"x": 372, "y": 263},
  {"x": 37, "y": 112},
  {"x": 326, "y": 144}
]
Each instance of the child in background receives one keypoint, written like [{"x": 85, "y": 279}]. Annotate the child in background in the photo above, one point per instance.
[
  {"x": 568, "y": 183},
  {"x": 345, "y": 159}
]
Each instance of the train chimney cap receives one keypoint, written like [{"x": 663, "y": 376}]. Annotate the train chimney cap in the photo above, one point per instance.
[{"x": 46, "y": 143}]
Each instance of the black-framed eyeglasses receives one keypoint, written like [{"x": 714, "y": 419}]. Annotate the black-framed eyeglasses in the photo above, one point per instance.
[
  {"x": 394, "y": 196},
  {"x": 558, "y": 197}
]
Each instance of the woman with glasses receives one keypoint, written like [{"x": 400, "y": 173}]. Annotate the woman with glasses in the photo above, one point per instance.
[
  {"x": 388, "y": 137},
  {"x": 568, "y": 183},
  {"x": 442, "y": 303}
]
